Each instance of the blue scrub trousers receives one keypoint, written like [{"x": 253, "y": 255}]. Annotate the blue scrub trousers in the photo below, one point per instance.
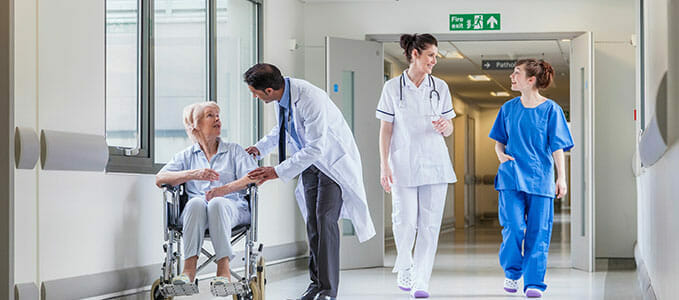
[{"x": 527, "y": 225}]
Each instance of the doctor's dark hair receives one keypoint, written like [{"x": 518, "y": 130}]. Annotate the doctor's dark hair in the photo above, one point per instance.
[
  {"x": 542, "y": 70},
  {"x": 263, "y": 76},
  {"x": 420, "y": 42}
]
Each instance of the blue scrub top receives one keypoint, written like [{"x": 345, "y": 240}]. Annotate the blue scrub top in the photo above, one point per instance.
[
  {"x": 531, "y": 135},
  {"x": 231, "y": 162}
]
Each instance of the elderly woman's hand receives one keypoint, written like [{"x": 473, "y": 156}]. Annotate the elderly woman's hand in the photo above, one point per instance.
[
  {"x": 217, "y": 192},
  {"x": 205, "y": 174}
]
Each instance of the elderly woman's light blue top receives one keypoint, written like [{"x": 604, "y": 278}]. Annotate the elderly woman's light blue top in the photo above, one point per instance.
[{"x": 231, "y": 162}]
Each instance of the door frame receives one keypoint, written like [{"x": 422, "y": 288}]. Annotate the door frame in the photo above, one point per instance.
[{"x": 588, "y": 118}]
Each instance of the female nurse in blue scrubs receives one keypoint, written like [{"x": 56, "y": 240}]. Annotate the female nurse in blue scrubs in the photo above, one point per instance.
[{"x": 531, "y": 136}]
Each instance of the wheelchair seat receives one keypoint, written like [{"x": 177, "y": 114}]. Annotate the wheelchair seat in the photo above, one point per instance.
[{"x": 174, "y": 223}]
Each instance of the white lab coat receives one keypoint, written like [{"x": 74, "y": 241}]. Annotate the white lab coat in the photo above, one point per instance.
[
  {"x": 329, "y": 145},
  {"x": 418, "y": 154}
]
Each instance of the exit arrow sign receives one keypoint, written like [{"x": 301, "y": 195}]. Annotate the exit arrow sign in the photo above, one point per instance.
[{"x": 474, "y": 22}]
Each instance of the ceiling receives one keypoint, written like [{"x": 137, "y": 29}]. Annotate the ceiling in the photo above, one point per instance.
[{"x": 455, "y": 71}]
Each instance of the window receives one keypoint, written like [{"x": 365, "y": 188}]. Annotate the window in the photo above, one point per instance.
[
  {"x": 162, "y": 55},
  {"x": 122, "y": 90}
]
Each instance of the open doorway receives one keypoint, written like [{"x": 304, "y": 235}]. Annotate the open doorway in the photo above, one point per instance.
[
  {"x": 572, "y": 55},
  {"x": 477, "y": 72},
  {"x": 365, "y": 60}
]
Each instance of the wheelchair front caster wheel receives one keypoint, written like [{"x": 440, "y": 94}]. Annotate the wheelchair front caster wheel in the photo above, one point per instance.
[{"x": 155, "y": 291}]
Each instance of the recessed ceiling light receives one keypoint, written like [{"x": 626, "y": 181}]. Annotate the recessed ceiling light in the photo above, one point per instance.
[
  {"x": 499, "y": 94},
  {"x": 478, "y": 77},
  {"x": 566, "y": 40}
]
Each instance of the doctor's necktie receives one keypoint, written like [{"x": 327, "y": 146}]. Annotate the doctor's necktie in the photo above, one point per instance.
[{"x": 281, "y": 134}]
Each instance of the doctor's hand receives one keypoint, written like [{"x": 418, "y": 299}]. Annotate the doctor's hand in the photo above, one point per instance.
[
  {"x": 263, "y": 174},
  {"x": 561, "y": 188},
  {"x": 386, "y": 179},
  {"x": 252, "y": 150},
  {"x": 504, "y": 157},
  {"x": 205, "y": 174},
  {"x": 443, "y": 126}
]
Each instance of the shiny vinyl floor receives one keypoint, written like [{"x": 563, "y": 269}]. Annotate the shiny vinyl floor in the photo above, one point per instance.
[{"x": 466, "y": 268}]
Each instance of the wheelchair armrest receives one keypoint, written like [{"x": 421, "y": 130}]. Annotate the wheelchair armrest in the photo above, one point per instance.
[{"x": 169, "y": 187}]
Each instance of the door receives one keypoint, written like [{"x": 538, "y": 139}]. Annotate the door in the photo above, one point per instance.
[
  {"x": 354, "y": 80},
  {"x": 582, "y": 155},
  {"x": 470, "y": 172}
]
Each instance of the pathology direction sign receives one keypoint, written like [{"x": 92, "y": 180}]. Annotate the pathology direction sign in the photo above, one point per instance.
[
  {"x": 474, "y": 22},
  {"x": 497, "y": 64}
]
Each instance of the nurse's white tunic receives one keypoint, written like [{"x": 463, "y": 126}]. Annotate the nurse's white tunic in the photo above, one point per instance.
[{"x": 418, "y": 154}]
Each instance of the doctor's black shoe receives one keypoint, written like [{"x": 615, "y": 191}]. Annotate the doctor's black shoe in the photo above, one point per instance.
[{"x": 309, "y": 294}]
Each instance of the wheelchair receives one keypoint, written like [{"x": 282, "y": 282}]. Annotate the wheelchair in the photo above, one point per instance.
[{"x": 253, "y": 278}]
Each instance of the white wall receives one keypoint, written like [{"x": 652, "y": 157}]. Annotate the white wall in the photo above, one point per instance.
[
  {"x": 658, "y": 189},
  {"x": 609, "y": 20},
  {"x": 78, "y": 223}
]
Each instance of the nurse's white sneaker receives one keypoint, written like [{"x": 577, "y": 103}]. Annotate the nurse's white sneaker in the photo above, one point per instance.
[
  {"x": 511, "y": 286},
  {"x": 404, "y": 279},
  {"x": 533, "y": 293}
]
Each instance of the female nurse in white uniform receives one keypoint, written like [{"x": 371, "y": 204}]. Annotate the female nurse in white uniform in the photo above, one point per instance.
[{"x": 415, "y": 110}]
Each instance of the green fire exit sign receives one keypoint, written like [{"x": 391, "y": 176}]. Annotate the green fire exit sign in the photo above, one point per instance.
[{"x": 474, "y": 22}]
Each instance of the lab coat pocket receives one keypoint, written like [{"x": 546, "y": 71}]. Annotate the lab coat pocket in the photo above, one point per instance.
[{"x": 506, "y": 176}]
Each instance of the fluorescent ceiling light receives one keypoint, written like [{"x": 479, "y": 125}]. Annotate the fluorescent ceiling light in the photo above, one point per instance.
[
  {"x": 478, "y": 77},
  {"x": 499, "y": 94},
  {"x": 454, "y": 54},
  {"x": 449, "y": 54},
  {"x": 566, "y": 40}
]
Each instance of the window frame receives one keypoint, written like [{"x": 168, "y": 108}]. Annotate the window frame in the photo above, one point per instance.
[{"x": 141, "y": 160}]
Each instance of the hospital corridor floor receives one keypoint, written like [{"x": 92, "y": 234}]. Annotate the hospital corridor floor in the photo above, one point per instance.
[{"x": 466, "y": 268}]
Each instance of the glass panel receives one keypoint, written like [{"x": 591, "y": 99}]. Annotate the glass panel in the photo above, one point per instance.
[
  {"x": 347, "y": 92},
  {"x": 122, "y": 96},
  {"x": 583, "y": 197},
  {"x": 180, "y": 42},
  {"x": 236, "y": 41},
  {"x": 347, "y": 228}
]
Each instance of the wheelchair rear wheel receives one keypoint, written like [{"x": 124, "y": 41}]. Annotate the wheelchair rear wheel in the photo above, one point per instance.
[
  {"x": 261, "y": 277},
  {"x": 155, "y": 291}
]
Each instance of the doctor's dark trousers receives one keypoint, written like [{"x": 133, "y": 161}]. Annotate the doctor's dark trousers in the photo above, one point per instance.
[{"x": 323, "y": 203}]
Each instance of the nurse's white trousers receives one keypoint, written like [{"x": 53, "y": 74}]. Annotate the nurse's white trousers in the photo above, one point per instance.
[
  {"x": 219, "y": 215},
  {"x": 417, "y": 213}
]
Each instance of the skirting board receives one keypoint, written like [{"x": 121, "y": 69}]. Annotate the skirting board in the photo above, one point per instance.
[
  {"x": 644, "y": 280},
  {"x": 135, "y": 278},
  {"x": 26, "y": 291}
]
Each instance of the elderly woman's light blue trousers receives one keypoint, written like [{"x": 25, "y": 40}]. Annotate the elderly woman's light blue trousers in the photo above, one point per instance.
[
  {"x": 527, "y": 225},
  {"x": 219, "y": 215}
]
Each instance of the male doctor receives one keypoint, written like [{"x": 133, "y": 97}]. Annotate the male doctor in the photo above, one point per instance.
[{"x": 325, "y": 154}]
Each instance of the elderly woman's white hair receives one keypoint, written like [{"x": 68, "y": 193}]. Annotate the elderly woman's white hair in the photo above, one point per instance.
[{"x": 193, "y": 113}]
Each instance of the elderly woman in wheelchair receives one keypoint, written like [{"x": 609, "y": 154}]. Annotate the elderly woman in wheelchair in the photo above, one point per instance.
[{"x": 214, "y": 173}]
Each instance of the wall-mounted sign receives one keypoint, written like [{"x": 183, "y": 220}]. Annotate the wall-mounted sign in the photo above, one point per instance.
[
  {"x": 466, "y": 22},
  {"x": 495, "y": 64}
]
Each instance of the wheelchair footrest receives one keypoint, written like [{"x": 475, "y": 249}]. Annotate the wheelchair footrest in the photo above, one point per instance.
[
  {"x": 171, "y": 290},
  {"x": 228, "y": 289}
]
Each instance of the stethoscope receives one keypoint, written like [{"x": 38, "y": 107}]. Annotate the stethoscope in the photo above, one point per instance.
[{"x": 433, "y": 92}]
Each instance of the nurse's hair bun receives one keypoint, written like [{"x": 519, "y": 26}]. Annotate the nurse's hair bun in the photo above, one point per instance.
[
  {"x": 419, "y": 42},
  {"x": 542, "y": 70}
]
